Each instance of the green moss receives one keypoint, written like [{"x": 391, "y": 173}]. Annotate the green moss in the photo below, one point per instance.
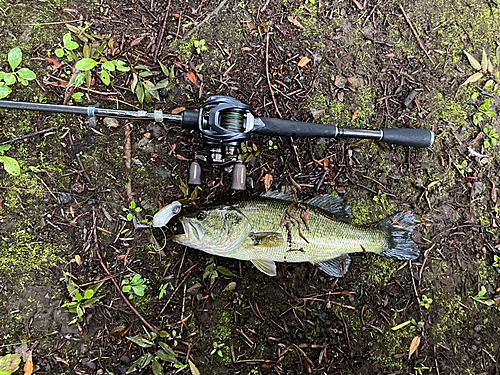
[
  {"x": 379, "y": 270},
  {"x": 389, "y": 344},
  {"x": 448, "y": 316},
  {"x": 225, "y": 327}
]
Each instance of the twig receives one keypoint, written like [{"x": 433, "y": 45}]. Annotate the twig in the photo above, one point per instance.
[
  {"x": 210, "y": 15},
  {"x": 173, "y": 294},
  {"x": 123, "y": 295},
  {"x": 268, "y": 79},
  {"x": 28, "y": 135},
  {"x": 158, "y": 45},
  {"x": 49, "y": 23},
  {"x": 44, "y": 184},
  {"x": 98, "y": 281},
  {"x": 128, "y": 159},
  {"x": 415, "y": 33},
  {"x": 346, "y": 332}
]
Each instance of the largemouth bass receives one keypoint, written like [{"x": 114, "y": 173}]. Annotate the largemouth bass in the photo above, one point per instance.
[{"x": 274, "y": 228}]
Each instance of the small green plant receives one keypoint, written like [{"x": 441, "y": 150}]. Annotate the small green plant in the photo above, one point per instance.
[
  {"x": 146, "y": 90},
  {"x": 161, "y": 352},
  {"x": 272, "y": 145},
  {"x": 481, "y": 299},
  {"x": 81, "y": 299},
  {"x": 496, "y": 261},
  {"x": 131, "y": 209},
  {"x": 464, "y": 167},
  {"x": 67, "y": 48},
  {"x": 485, "y": 70},
  {"x": 163, "y": 289},
  {"x": 426, "y": 301},
  {"x": 491, "y": 136},
  {"x": 10, "y": 164},
  {"x": 200, "y": 46},
  {"x": 420, "y": 369},
  {"x": 135, "y": 286},
  {"x": 22, "y": 75},
  {"x": 483, "y": 110},
  {"x": 9, "y": 363},
  {"x": 217, "y": 348},
  {"x": 212, "y": 272}
]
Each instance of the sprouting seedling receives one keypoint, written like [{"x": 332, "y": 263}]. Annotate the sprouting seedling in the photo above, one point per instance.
[
  {"x": 272, "y": 145},
  {"x": 22, "y": 75},
  {"x": 135, "y": 286},
  {"x": 200, "y": 46},
  {"x": 10, "y": 164},
  {"x": 426, "y": 301},
  {"x": 481, "y": 299},
  {"x": 485, "y": 70},
  {"x": 132, "y": 208},
  {"x": 491, "y": 136},
  {"x": 463, "y": 167}
]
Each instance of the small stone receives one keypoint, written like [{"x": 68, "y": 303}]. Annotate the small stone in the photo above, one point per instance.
[
  {"x": 340, "y": 82},
  {"x": 478, "y": 328},
  {"x": 478, "y": 187},
  {"x": 65, "y": 198},
  {"x": 111, "y": 122},
  {"x": 124, "y": 359}
]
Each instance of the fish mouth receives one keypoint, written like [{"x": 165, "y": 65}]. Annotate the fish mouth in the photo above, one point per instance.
[{"x": 192, "y": 233}]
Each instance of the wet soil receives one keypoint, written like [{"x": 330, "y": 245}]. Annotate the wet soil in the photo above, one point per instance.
[{"x": 349, "y": 63}]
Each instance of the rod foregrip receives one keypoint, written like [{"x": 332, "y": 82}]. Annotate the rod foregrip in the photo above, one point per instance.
[
  {"x": 419, "y": 138},
  {"x": 286, "y": 128}
]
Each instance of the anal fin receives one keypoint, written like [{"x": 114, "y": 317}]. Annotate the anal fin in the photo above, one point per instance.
[
  {"x": 336, "y": 267},
  {"x": 266, "y": 266}
]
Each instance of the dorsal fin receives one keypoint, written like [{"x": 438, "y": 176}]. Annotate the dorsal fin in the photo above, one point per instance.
[
  {"x": 278, "y": 195},
  {"x": 333, "y": 204}
]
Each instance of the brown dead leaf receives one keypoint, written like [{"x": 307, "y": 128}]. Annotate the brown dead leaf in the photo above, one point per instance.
[
  {"x": 494, "y": 196},
  {"x": 473, "y": 78},
  {"x": 354, "y": 116},
  {"x": 55, "y": 64},
  {"x": 295, "y": 22},
  {"x": 192, "y": 77},
  {"x": 391, "y": 54},
  {"x": 78, "y": 259},
  {"x": 136, "y": 41},
  {"x": 180, "y": 157},
  {"x": 178, "y": 110},
  {"x": 28, "y": 366},
  {"x": 414, "y": 345},
  {"x": 484, "y": 61},
  {"x": 268, "y": 180},
  {"x": 246, "y": 49},
  {"x": 475, "y": 64},
  {"x": 304, "y": 61},
  {"x": 73, "y": 29}
]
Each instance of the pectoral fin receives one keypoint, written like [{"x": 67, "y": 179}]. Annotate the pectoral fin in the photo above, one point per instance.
[
  {"x": 266, "y": 266},
  {"x": 336, "y": 267},
  {"x": 267, "y": 239}
]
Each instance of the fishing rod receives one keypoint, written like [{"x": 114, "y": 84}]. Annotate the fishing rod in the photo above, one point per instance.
[{"x": 225, "y": 122}]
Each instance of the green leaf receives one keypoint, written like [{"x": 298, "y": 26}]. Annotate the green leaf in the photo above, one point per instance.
[
  {"x": 225, "y": 271},
  {"x": 5, "y": 91},
  {"x": 78, "y": 96},
  {"x": 126, "y": 288},
  {"x": 9, "y": 79},
  {"x": 141, "y": 341},
  {"x": 156, "y": 367},
  {"x": 169, "y": 353},
  {"x": 108, "y": 65},
  {"x": 494, "y": 141},
  {"x": 59, "y": 52},
  {"x": 164, "y": 85},
  {"x": 89, "y": 293},
  {"x": 4, "y": 148},
  {"x": 9, "y": 363},
  {"x": 164, "y": 69},
  {"x": 105, "y": 78},
  {"x": 130, "y": 217},
  {"x": 132, "y": 206},
  {"x": 140, "y": 92},
  {"x": 486, "y": 143},
  {"x": 11, "y": 165},
  {"x": 91, "y": 301},
  {"x": 139, "y": 290},
  {"x": 15, "y": 57},
  {"x": 26, "y": 74},
  {"x": 140, "y": 363},
  {"x": 85, "y": 64},
  {"x": 146, "y": 74},
  {"x": 78, "y": 297},
  {"x": 120, "y": 66},
  {"x": 71, "y": 45}
]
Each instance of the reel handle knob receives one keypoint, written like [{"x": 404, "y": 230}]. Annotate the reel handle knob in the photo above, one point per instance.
[
  {"x": 239, "y": 178},
  {"x": 194, "y": 173}
]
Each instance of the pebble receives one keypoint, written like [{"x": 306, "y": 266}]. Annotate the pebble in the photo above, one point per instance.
[
  {"x": 65, "y": 197},
  {"x": 88, "y": 363},
  {"x": 124, "y": 359},
  {"x": 111, "y": 122}
]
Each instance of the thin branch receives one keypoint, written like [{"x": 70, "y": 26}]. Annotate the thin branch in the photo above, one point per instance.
[
  {"x": 213, "y": 13},
  {"x": 269, "y": 79},
  {"x": 28, "y": 135},
  {"x": 415, "y": 33}
]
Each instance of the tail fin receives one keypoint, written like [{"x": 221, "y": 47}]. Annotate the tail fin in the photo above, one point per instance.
[{"x": 399, "y": 228}]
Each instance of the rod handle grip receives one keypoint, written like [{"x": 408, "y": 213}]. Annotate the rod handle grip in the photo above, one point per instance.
[{"x": 419, "y": 138}]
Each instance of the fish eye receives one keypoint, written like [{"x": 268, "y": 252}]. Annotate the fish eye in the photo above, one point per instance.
[{"x": 201, "y": 216}]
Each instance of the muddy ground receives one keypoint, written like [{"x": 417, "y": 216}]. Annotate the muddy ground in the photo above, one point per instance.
[{"x": 346, "y": 63}]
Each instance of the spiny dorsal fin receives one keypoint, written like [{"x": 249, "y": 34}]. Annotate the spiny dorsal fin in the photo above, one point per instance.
[
  {"x": 336, "y": 267},
  {"x": 266, "y": 266},
  {"x": 333, "y": 204},
  {"x": 266, "y": 239},
  {"x": 278, "y": 195}
]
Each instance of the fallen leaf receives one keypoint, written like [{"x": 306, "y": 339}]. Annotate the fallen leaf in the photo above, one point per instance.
[
  {"x": 230, "y": 286},
  {"x": 354, "y": 116},
  {"x": 484, "y": 61},
  {"x": 304, "y": 61},
  {"x": 295, "y": 22},
  {"x": 193, "y": 368},
  {"x": 391, "y": 54},
  {"x": 178, "y": 110},
  {"x": 268, "y": 180},
  {"x": 28, "y": 366},
  {"x": 473, "y": 78},
  {"x": 192, "y": 77},
  {"x": 246, "y": 49},
  {"x": 494, "y": 196},
  {"x": 72, "y": 28},
  {"x": 78, "y": 259},
  {"x": 414, "y": 345},
  {"x": 136, "y": 41},
  {"x": 55, "y": 63},
  {"x": 9, "y": 363},
  {"x": 475, "y": 64},
  {"x": 180, "y": 157}
]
